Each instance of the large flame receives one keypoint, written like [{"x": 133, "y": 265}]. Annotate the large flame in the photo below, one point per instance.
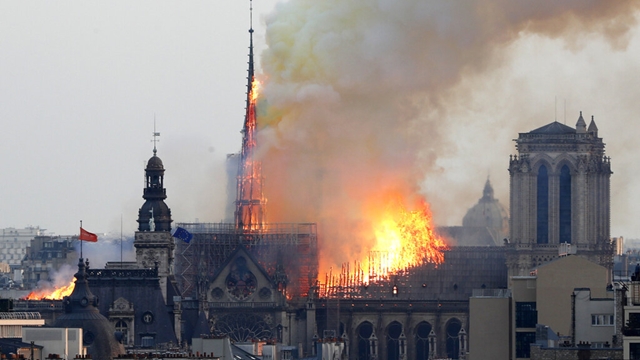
[
  {"x": 57, "y": 293},
  {"x": 407, "y": 238},
  {"x": 402, "y": 239}
]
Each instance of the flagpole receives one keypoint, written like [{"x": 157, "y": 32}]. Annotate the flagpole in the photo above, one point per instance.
[{"x": 80, "y": 239}]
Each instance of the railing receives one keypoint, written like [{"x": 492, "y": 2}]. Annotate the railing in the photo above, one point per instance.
[
  {"x": 20, "y": 315},
  {"x": 493, "y": 293},
  {"x": 122, "y": 273},
  {"x": 243, "y": 305},
  {"x": 267, "y": 228}
]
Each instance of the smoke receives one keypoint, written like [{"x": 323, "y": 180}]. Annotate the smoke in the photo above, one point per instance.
[{"x": 362, "y": 99}]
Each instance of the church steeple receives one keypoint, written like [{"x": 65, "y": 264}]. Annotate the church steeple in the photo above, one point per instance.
[
  {"x": 250, "y": 202},
  {"x": 154, "y": 215}
]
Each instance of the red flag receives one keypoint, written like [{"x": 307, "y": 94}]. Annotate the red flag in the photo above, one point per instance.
[{"x": 87, "y": 236}]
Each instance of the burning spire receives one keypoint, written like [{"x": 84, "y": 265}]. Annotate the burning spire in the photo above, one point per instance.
[{"x": 250, "y": 201}]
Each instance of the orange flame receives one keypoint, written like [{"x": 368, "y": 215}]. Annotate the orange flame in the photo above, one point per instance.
[
  {"x": 255, "y": 86},
  {"x": 407, "y": 238},
  {"x": 57, "y": 293},
  {"x": 403, "y": 239}
]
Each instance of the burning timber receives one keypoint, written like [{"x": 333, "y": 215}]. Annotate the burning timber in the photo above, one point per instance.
[{"x": 287, "y": 251}]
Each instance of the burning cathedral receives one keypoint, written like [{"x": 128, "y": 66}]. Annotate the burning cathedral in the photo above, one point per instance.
[{"x": 256, "y": 281}]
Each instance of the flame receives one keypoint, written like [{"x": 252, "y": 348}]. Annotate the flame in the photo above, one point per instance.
[
  {"x": 255, "y": 86},
  {"x": 57, "y": 293},
  {"x": 405, "y": 239},
  {"x": 402, "y": 239}
]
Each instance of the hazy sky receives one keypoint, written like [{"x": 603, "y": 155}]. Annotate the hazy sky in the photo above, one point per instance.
[{"x": 81, "y": 83}]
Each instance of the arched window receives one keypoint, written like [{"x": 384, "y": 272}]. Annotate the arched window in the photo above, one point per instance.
[
  {"x": 121, "y": 326},
  {"x": 394, "y": 330},
  {"x": 453, "y": 338},
  {"x": 565, "y": 205},
  {"x": 365, "y": 332},
  {"x": 542, "y": 198},
  {"x": 422, "y": 341}
]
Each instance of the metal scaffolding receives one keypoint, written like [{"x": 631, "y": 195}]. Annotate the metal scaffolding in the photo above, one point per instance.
[{"x": 287, "y": 246}]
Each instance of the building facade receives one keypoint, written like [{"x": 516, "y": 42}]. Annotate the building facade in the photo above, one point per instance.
[{"x": 559, "y": 193}]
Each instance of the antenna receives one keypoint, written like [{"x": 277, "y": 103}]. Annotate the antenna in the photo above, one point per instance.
[
  {"x": 565, "y": 111},
  {"x": 556, "y": 114},
  {"x": 155, "y": 135},
  {"x": 121, "y": 241},
  {"x": 251, "y": 15}
]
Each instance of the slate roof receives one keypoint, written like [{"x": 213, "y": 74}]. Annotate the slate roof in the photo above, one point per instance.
[{"x": 554, "y": 128}]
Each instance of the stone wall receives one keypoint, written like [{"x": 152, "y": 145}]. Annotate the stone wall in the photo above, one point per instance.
[{"x": 572, "y": 353}]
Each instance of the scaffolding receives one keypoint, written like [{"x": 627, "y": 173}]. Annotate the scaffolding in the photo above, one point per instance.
[
  {"x": 288, "y": 246},
  {"x": 463, "y": 270}
]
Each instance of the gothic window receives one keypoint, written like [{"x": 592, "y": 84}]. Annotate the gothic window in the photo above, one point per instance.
[
  {"x": 241, "y": 283},
  {"x": 243, "y": 327},
  {"x": 453, "y": 338},
  {"x": 542, "y": 198},
  {"x": 422, "y": 341},
  {"x": 365, "y": 346},
  {"x": 393, "y": 344},
  {"x": 565, "y": 205}
]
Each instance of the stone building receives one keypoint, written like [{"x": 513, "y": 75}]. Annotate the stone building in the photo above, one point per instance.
[
  {"x": 485, "y": 224},
  {"x": 44, "y": 255},
  {"x": 559, "y": 193}
]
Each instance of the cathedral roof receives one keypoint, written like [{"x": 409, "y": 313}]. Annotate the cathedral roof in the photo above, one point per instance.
[{"x": 554, "y": 128}]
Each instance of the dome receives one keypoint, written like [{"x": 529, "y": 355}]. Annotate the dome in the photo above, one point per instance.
[
  {"x": 81, "y": 312},
  {"x": 155, "y": 163},
  {"x": 488, "y": 212}
]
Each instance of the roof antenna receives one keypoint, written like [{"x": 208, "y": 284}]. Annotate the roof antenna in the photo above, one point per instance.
[
  {"x": 556, "y": 110},
  {"x": 565, "y": 111}
]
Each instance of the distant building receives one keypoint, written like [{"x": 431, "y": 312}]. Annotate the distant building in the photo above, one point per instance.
[
  {"x": 14, "y": 243},
  {"x": 485, "y": 224},
  {"x": 44, "y": 255}
]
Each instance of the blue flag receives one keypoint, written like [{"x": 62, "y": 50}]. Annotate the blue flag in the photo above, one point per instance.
[{"x": 182, "y": 234}]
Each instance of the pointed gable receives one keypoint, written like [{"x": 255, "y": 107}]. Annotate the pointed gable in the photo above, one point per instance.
[{"x": 241, "y": 278}]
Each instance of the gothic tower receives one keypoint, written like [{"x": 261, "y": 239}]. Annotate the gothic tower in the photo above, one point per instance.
[
  {"x": 153, "y": 241},
  {"x": 250, "y": 202},
  {"x": 559, "y": 193}
]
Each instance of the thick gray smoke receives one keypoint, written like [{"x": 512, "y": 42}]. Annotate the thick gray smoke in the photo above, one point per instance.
[{"x": 363, "y": 99}]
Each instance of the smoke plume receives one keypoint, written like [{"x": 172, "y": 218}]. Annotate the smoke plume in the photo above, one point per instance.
[{"x": 358, "y": 94}]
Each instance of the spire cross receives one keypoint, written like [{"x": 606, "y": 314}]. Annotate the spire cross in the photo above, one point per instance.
[{"x": 155, "y": 136}]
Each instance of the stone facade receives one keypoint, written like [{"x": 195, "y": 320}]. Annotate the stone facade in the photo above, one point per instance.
[
  {"x": 559, "y": 193},
  {"x": 572, "y": 353}
]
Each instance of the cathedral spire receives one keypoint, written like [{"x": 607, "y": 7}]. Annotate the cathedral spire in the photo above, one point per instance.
[{"x": 250, "y": 202}]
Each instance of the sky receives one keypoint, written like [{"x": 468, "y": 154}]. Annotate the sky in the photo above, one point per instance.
[{"x": 82, "y": 83}]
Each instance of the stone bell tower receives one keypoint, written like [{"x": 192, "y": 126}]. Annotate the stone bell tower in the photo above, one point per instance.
[
  {"x": 153, "y": 241},
  {"x": 559, "y": 196}
]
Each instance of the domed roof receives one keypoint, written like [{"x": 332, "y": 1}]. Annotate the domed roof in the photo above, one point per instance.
[
  {"x": 488, "y": 212},
  {"x": 155, "y": 163},
  {"x": 81, "y": 312}
]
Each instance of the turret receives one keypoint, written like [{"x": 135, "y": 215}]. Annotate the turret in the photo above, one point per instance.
[{"x": 581, "y": 126}]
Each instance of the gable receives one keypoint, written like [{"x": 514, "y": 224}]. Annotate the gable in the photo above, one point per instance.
[{"x": 242, "y": 279}]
